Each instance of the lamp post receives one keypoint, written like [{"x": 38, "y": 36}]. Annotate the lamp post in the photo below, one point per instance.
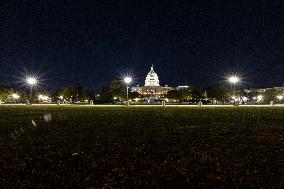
[
  {"x": 31, "y": 82},
  {"x": 127, "y": 81},
  {"x": 233, "y": 80}
]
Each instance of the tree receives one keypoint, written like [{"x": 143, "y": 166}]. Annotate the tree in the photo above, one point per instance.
[
  {"x": 105, "y": 95},
  {"x": 173, "y": 95},
  {"x": 133, "y": 95},
  {"x": 218, "y": 92},
  {"x": 5, "y": 94},
  {"x": 118, "y": 89},
  {"x": 73, "y": 93},
  {"x": 197, "y": 93},
  {"x": 251, "y": 95},
  {"x": 270, "y": 95},
  {"x": 185, "y": 94}
]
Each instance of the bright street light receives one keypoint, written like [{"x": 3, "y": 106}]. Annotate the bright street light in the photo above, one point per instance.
[
  {"x": 127, "y": 80},
  {"x": 233, "y": 79},
  {"x": 31, "y": 81}
]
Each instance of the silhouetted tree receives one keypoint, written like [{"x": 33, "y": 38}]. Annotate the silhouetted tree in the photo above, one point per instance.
[
  {"x": 73, "y": 93},
  {"x": 133, "y": 95},
  {"x": 197, "y": 93},
  {"x": 270, "y": 95},
  {"x": 5, "y": 94},
  {"x": 218, "y": 92},
  {"x": 118, "y": 89},
  {"x": 185, "y": 94},
  {"x": 105, "y": 95},
  {"x": 173, "y": 95}
]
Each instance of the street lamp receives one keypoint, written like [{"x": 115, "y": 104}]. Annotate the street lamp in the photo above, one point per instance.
[
  {"x": 31, "y": 81},
  {"x": 233, "y": 80},
  {"x": 127, "y": 80}
]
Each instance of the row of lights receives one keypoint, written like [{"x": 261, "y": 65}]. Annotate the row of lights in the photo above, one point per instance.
[
  {"x": 16, "y": 96},
  {"x": 232, "y": 79},
  {"x": 257, "y": 98},
  {"x": 260, "y": 97},
  {"x": 32, "y": 81}
]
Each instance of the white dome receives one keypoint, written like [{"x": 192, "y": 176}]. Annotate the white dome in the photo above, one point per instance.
[{"x": 152, "y": 78}]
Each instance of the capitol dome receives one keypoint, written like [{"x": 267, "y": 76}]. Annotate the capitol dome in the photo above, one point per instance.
[{"x": 152, "y": 78}]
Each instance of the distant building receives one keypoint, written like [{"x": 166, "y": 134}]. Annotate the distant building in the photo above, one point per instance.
[
  {"x": 262, "y": 90},
  {"x": 182, "y": 87},
  {"x": 152, "y": 88},
  {"x": 152, "y": 79}
]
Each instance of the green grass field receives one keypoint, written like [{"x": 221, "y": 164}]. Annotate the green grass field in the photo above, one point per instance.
[{"x": 141, "y": 147}]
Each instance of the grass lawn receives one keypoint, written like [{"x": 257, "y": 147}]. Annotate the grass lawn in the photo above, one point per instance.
[{"x": 141, "y": 147}]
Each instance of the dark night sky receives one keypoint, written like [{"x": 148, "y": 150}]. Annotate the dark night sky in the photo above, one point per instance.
[{"x": 89, "y": 43}]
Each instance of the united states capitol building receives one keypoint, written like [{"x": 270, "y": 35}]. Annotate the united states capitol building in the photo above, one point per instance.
[{"x": 152, "y": 88}]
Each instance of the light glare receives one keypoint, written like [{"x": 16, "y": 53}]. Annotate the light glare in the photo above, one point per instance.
[
  {"x": 43, "y": 97},
  {"x": 233, "y": 79},
  {"x": 15, "y": 96},
  {"x": 259, "y": 98},
  {"x": 31, "y": 80},
  {"x": 245, "y": 99},
  {"x": 280, "y": 97},
  {"x": 127, "y": 80}
]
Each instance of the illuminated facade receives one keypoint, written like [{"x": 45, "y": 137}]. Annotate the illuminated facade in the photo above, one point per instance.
[
  {"x": 152, "y": 88},
  {"x": 152, "y": 78}
]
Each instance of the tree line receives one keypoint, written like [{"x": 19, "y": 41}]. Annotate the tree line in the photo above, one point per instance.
[{"x": 115, "y": 91}]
